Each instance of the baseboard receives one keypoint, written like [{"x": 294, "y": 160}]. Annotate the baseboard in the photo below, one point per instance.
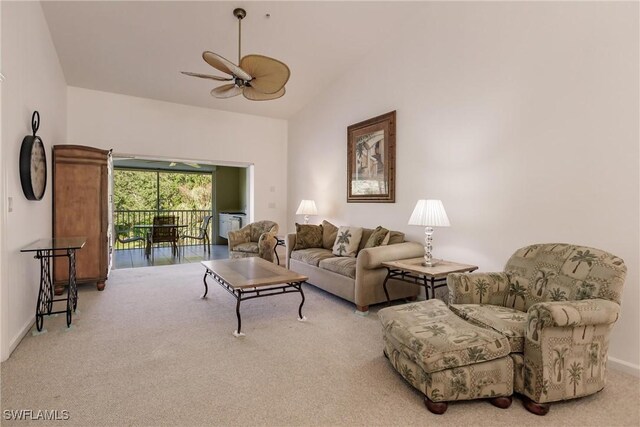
[
  {"x": 622, "y": 366},
  {"x": 16, "y": 340}
]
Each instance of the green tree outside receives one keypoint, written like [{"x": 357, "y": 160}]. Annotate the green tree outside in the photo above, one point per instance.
[{"x": 138, "y": 190}]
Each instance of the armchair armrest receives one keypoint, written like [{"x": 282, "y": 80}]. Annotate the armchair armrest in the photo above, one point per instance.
[
  {"x": 266, "y": 245},
  {"x": 371, "y": 258},
  {"x": 242, "y": 235},
  {"x": 573, "y": 313},
  {"x": 478, "y": 288},
  {"x": 289, "y": 243}
]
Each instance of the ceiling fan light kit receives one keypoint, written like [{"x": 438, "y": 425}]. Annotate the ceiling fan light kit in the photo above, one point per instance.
[{"x": 257, "y": 77}]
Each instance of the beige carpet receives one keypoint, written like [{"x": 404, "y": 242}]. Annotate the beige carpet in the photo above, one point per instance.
[{"x": 149, "y": 351}]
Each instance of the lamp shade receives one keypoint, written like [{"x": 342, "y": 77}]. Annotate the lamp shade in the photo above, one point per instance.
[
  {"x": 307, "y": 207},
  {"x": 429, "y": 213}
]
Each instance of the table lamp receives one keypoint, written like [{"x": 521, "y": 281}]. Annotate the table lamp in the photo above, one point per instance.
[
  {"x": 429, "y": 213},
  {"x": 306, "y": 208}
]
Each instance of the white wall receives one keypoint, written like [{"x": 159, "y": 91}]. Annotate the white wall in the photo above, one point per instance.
[
  {"x": 147, "y": 127},
  {"x": 521, "y": 117},
  {"x": 34, "y": 81}
]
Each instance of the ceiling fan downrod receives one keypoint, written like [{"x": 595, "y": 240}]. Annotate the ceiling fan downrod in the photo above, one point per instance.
[{"x": 240, "y": 14}]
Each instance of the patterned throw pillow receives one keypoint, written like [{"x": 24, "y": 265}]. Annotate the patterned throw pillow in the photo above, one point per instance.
[
  {"x": 347, "y": 241},
  {"x": 329, "y": 234},
  {"x": 378, "y": 237},
  {"x": 308, "y": 236}
]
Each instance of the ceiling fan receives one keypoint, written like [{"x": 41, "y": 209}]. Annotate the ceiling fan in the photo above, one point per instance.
[
  {"x": 193, "y": 165},
  {"x": 258, "y": 77},
  {"x": 162, "y": 164}
]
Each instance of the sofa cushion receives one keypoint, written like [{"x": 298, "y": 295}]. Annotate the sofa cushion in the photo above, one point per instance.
[
  {"x": 345, "y": 266},
  {"x": 436, "y": 339},
  {"x": 347, "y": 241},
  {"x": 509, "y": 322},
  {"x": 249, "y": 247},
  {"x": 311, "y": 256},
  {"x": 378, "y": 237},
  {"x": 329, "y": 233},
  {"x": 308, "y": 236}
]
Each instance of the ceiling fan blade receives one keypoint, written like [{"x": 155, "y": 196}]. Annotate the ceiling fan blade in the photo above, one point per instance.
[
  {"x": 226, "y": 91},
  {"x": 253, "y": 95},
  {"x": 193, "y": 165},
  {"x": 172, "y": 164},
  {"x": 224, "y": 65},
  {"x": 269, "y": 75},
  {"x": 207, "y": 76}
]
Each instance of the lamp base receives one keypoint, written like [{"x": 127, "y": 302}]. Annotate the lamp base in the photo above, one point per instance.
[{"x": 431, "y": 263}]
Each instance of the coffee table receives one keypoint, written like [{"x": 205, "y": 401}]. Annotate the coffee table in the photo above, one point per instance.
[{"x": 248, "y": 278}]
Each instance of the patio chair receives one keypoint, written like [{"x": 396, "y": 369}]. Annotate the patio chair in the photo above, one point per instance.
[
  {"x": 202, "y": 234},
  {"x": 123, "y": 234},
  {"x": 162, "y": 232}
]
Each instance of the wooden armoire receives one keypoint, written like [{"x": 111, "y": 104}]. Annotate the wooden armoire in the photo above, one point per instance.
[{"x": 80, "y": 208}]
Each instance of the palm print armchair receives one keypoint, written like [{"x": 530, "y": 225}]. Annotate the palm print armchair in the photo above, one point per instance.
[
  {"x": 257, "y": 239},
  {"x": 556, "y": 304}
]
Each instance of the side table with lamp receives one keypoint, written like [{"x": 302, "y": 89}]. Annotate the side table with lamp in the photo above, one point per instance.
[{"x": 426, "y": 272}]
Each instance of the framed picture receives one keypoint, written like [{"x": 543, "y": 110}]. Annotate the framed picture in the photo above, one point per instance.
[{"x": 371, "y": 160}]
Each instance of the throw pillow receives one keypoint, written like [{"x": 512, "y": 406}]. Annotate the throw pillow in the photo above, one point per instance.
[
  {"x": 377, "y": 237},
  {"x": 329, "y": 234},
  {"x": 347, "y": 241},
  {"x": 395, "y": 237},
  {"x": 308, "y": 236}
]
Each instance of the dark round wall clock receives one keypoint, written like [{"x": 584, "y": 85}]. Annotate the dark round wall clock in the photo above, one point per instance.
[{"x": 33, "y": 163}]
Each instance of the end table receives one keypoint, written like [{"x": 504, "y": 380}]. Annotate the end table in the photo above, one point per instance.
[{"x": 412, "y": 271}]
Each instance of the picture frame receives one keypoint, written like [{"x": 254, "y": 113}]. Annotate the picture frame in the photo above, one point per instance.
[{"x": 371, "y": 160}]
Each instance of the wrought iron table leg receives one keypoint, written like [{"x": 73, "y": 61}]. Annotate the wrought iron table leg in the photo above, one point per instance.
[
  {"x": 300, "y": 316},
  {"x": 206, "y": 288},
  {"x": 51, "y": 291},
  {"x": 71, "y": 288},
  {"x": 45, "y": 293},
  {"x": 237, "y": 332},
  {"x": 384, "y": 286}
]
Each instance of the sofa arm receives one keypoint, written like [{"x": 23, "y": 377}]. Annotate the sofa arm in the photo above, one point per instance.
[
  {"x": 289, "y": 243},
  {"x": 266, "y": 246},
  {"x": 573, "y": 313},
  {"x": 371, "y": 258},
  {"x": 242, "y": 235},
  {"x": 478, "y": 288}
]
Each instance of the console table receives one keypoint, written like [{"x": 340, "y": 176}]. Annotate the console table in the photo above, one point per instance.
[
  {"x": 45, "y": 250},
  {"x": 412, "y": 271}
]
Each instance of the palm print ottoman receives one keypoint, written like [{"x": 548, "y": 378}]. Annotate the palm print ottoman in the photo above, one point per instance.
[{"x": 446, "y": 357}]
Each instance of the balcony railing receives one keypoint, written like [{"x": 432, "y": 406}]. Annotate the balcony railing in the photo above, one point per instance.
[{"x": 191, "y": 218}]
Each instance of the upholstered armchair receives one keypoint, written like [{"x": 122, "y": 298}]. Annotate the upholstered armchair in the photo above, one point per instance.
[
  {"x": 255, "y": 239},
  {"x": 556, "y": 304}
]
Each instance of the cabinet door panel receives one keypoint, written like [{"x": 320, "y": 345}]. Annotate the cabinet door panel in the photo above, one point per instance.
[{"x": 78, "y": 203}]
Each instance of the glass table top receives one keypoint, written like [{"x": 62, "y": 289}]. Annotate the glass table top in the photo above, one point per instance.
[{"x": 54, "y": 244}]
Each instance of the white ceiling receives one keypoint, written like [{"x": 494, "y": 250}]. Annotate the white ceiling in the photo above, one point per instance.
[{"x": 138, "y": 48}]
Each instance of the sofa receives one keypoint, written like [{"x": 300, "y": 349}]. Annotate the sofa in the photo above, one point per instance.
[
  {"x": 356, "y": 279},
  {"x": 552, "y": 309},
  {"x": 257, "y": 239}
]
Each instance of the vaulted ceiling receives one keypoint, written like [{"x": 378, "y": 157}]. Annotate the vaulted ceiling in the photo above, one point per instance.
[{"x": 139, "y": 48}]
